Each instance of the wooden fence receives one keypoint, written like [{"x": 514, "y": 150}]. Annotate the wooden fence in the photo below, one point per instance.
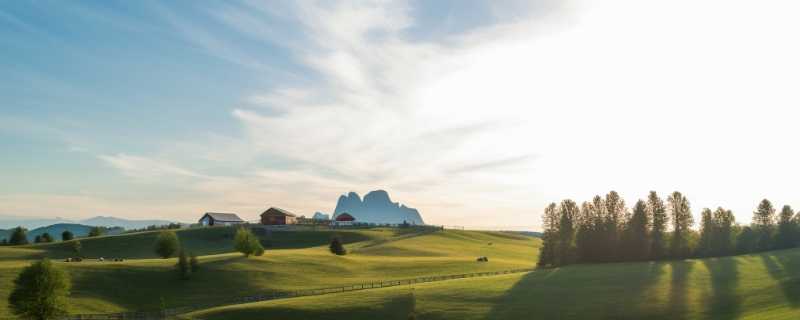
[{"x": 172, "y": 312}]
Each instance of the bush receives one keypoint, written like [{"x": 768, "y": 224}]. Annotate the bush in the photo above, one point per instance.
[
  {"x": 247, "y": 243},
  {"x": 183, "y": 266},
  {"x": 96, "y": 232},
  {"x": 76, "y": 247},
  {"x": 18, "y": 236},
  {"x": 37, "y": 239},
  {"x": 167, "y": 244},
  {"x": 67, "y": 235},
  {"x": 194, "y": 265},
  {"x": 46, "y": 237},
  {"x": 40, "y": 291},
  {"x": 337, "y": 248}
]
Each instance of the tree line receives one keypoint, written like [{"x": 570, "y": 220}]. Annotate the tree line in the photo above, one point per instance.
[{"x": 605, "y": 230}]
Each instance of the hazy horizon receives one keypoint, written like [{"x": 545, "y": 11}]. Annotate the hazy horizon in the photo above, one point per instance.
[{"x": 476, "y": 114}]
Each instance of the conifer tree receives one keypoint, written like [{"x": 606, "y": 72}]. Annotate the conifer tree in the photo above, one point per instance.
[
  {"x": 584, "y": 238},
  {"x": 723, "y": 236},
  {"x": 764, "y": 224},
  {"x": 568, "y": 212},
  {"x": 637, "y": 239},
  {"x": 547, "y": 254},
  {"x": 681, "y": 222},
  {"x": 707, "y": 233},
  {"x": 18, "y": 236},
  {"x": 787, "y": 229},
  {"x": 615, "y": 210},
  {"x": 658, "y": 214}
]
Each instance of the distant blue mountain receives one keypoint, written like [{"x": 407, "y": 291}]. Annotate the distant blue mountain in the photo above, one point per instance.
[
  {"x": 376, "y": 207},
  {"x": 78, "y": 230},
  {"x": 9, "y": 222}
]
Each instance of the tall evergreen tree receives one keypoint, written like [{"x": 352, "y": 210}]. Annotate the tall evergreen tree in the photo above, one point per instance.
[
  {"x": 681, "y": 222},
  {"x": 764, "y": 224},
  {"x": 568, "y": 212},
  {"x": 707, "y": 233},
  {"x": 584, "y": 239},
  {"x": 18, "y": 236},
  {"x": 723, "y": 236},
  {"x": 787, "y": 229},
  {"x": 658, "y": 214},
  {"x": 547, "y": 254},
  {"x": 615, "y": 211},
  {"x": 637, "y": 238}
]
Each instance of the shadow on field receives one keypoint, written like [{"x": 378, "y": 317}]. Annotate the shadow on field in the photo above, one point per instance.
[
  {"x": 142, "y": 288},
  {"x": 679, "y": 288},
  {"x": 599, "y": 291},
  {"x": 397, "y": 308},
  {"x": 723, "y": 303},
  {"x": 780, "y": 270}
]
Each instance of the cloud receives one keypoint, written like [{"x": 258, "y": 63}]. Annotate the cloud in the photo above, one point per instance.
[{"x": 145, "y": 168}]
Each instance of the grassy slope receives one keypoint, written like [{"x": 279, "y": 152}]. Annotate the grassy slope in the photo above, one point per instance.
[
  {"x": 763, "y": 286},
  {"x": 298, "y": 260}
]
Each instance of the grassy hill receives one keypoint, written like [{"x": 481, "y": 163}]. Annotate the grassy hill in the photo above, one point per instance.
[
  {"x": 294, "y": 260},
  {"x": 762, "y": 286}
]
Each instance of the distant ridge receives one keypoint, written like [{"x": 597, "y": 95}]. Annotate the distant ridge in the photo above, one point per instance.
[
  {"x": 376, "y": 207},
  {"x": 8, "y": 222}
]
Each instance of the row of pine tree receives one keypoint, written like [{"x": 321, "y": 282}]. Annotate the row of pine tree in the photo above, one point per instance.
[{"x": 604, "y": 230}]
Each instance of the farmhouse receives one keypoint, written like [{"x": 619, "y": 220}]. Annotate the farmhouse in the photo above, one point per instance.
[
  {"x": 220, "y": 219},
  {"x": 344, "y": 219},
  {"x": 277, "y": 216}
]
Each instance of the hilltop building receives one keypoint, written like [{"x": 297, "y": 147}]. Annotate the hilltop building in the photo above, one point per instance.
[
  {"x": 277, "y": 216},
  {"x": 220, "y": 219},
  {"x": 344, "y": 219}
]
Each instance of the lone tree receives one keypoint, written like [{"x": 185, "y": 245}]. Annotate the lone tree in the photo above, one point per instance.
[
  {"x": 247, "y": 243},
  {"x": 96, "y": 232},
  {"x": 67, "y": 235},
  {"x": 336, "y": 247},
  {"x": 46, "y": 237},
  {"x": 18, "y": 236},
  {"x": 40, "y": 292},
  {"x": 166, "y": 244}
]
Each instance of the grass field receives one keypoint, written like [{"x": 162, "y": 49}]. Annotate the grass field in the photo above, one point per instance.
[
  {"x": 764, "y": 286},
  {"x": 296, "y": 260}
]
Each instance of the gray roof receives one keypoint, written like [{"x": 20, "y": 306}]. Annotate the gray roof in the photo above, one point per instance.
[
  {"x": 224, "y": 217},
  {"x": 278, "y": 212}
]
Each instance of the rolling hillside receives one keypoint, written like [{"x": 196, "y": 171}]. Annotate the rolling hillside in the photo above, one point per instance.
[
  {"x": 294, "y": 260},
  {"x": 762, "y": 286}
]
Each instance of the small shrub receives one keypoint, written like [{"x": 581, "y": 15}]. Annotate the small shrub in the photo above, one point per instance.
[
  {"x": 46, "y": 237},
  {"x": 67, "y": 235},
  {"x": 167, "y": 244},
  {"x": 194, "y": 265},
  {"x": 336, "y": 247},
  {"x": 247, "y": 243},
  {"x": 40, "y": 291},
  {"x": 37, "y": 239},
  {"x": 76, "y": 247},
  {"x": 96, "y": 232},
  {"x": 183, "y": 266}
]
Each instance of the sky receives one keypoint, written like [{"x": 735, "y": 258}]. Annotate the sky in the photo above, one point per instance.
[{"x": 477, "y": 113}]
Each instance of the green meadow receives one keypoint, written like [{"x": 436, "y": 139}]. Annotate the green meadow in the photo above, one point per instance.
[{"x": 758, "y": 286}]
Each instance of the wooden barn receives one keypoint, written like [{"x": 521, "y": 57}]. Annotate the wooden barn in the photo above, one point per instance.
[
  {"x": 344, "y": 219},
  {"x": 276, "y": 216},
  {"x": 220, "y": 219}
]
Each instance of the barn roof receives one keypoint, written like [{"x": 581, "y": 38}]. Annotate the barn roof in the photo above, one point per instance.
[
  {"x": 225, "y": 217},
  {"x": 344, "y": 216},
  {"x": 278, "y": 212}
]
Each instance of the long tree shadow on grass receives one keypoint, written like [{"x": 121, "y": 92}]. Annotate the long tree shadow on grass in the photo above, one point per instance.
[
  {"x": 597, "y": 291},
  {"x": 678, "y": 306},
  {"x": 724, "y": 303},
  {"x": 784, "y": 270}
]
